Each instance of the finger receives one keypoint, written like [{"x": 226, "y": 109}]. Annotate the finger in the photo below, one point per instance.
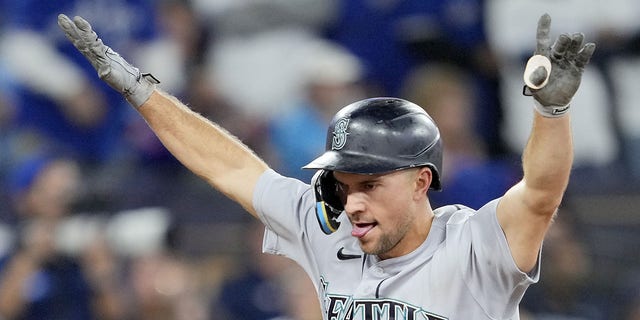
[
  {"x": 84, "y": 29},
  {"x": 542, "y": 35},
  {"x": 72, "y": 33},
  {"x": 585, "y": 54},
  {"x": 560, "y": 46},
  {"x": 68, "y": 27},
  {"x": 81, "y": 23},
  {"x": 64, "y": 22},
  {"x": 576, "y": 43},
  {"x": 93, "y": 46}
]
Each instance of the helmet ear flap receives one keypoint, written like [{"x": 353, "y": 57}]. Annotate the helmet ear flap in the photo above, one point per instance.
[{"x": 328, "y": 202}]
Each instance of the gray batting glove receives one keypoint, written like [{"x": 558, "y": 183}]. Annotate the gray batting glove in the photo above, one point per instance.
[
  {"x": 553, "y": 74},
  {"x": 136, "y": 87}
]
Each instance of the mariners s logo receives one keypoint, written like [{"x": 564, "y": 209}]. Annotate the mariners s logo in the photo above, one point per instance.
[{"x": 340, "y": 134}]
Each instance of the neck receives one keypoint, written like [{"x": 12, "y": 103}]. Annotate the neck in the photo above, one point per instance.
[{"x": 415, "y": 236}]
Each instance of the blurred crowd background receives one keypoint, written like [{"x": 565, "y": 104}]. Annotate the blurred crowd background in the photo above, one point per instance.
[{"x": 99, "y": 221}]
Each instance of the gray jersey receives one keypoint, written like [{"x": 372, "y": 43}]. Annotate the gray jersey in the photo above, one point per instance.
[{"x": 464, "y": 270}]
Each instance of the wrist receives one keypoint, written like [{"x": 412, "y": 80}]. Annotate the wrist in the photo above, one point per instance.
[
  {"x": 551, "y": 111},
  {"x": 143, "y": 89}
]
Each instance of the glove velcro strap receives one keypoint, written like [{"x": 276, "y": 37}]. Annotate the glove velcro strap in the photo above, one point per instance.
[
  {"x": 141, "y": 92},
  {"x": 550, "y": 111}
]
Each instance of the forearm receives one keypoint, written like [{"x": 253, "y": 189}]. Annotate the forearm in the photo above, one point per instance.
[
  {"x": 206, "y": 149},
  {"x": 547, "y": 161}
]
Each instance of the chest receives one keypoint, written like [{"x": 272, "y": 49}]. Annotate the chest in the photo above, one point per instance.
[{"x": 421, "y": 287}]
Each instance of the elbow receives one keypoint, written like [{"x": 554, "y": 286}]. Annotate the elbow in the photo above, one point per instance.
[
  {"x": 542, "y": 201},
  {"x": 543, "y": 193}
]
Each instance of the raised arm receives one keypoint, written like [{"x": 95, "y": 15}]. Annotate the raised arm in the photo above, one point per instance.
[
  {"x": 207, "y": 149},
  {"x": 552, "y": 77},
  {"x": 203, "y": 147}
]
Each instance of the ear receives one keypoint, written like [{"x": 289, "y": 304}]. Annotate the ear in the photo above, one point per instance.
[{"x": 422, "y": 181}]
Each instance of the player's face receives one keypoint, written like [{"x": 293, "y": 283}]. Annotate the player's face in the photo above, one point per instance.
[{"x": 387, "y": 212}]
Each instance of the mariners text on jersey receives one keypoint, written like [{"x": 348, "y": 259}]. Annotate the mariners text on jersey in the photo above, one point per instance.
[
  {"x": 341, "y": 307},
  {"x": 347, "y": 308}
]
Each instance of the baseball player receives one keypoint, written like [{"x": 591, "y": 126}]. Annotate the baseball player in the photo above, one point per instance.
[{"x": 364, "y": 230}]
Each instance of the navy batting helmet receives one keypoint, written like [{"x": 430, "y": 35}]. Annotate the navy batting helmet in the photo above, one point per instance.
[{"x": 373, "y": 136}]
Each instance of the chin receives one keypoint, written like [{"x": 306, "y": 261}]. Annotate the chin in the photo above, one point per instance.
[
  {"x": 371, "y": 248},
  {"x": 367, "y": 247}
]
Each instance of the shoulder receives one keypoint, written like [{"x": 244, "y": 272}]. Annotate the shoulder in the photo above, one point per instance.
[
  {"x": 452, "y": 214},
  {"x": 448, "y": 210},
  {"x": 270, "y": 178},
  {"x": 278, "y": 198},
  {"x": 461, "y": 215},
  {"x": 273, "y": 187},
  {"x": 452, "y": 210}
]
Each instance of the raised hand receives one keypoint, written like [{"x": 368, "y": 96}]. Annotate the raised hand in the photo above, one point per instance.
[
  {"x": 554, "y": 73},
  {"x": 136, "y": 87}
]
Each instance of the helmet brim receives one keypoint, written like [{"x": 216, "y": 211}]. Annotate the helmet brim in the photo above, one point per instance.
[
  {"x": 353, "y": 163},
  {"x": 365, "y": 164}
]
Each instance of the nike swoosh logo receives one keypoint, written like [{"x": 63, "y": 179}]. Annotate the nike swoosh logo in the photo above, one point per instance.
[{"x": 346, "y": 256}]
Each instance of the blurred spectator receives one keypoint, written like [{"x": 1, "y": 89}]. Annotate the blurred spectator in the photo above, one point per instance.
[
  {"x": 38, "y": 279},
  {"x": 618, "y": 40},
  {"x": 331, "y": 81},
  {"x": 125, "y": 165},
  {"x": 60, "y": 103},
  {"x": 178, "y": 56},
  {"x": 259, "y": 48},
  {"x": 470, "y": 176},
  {"x": 255, "y": 293},
  {"x": 393, "y": 37},
  {"x": 59, "y": 96},
  {"x": 300, "y": 296},
  {"x": 164, "y": 287},
  {"x": 237, "y": 17},
  {"x": 178, "y": 48},
  {"x": 68, "y": 265},
  {"x": 16, "y": 144}
]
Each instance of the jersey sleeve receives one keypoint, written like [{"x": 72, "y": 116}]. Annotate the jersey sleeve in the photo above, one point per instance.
[
  {"x": 486, "y": 263},
  {"x": 284, "y": 205}
]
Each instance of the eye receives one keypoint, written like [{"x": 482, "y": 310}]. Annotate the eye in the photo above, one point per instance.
[{"x": 369, "y": 186}]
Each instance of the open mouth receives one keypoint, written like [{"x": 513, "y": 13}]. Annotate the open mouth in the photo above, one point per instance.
[{"x": 359, "y": 230}]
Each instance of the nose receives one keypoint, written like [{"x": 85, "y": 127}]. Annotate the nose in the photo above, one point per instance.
[{"x": 354, "y": 203}]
